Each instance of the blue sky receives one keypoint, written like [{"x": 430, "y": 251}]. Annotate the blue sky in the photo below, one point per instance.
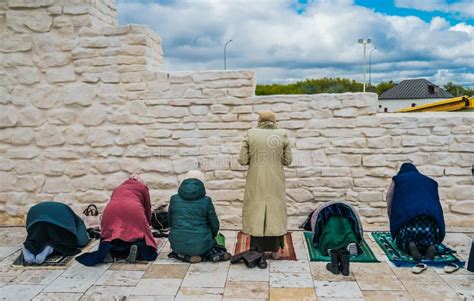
[{"x": 289, "y": 40}]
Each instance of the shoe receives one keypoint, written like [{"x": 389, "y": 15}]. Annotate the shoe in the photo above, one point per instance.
[
  {"x": 132, "y": 256},
  {"x": 333, "y": 266},
  {"x": 352, "y": 249},
  {"x": 413, "y": 250},
  {"x": 227, "y": 256},
  {"x": 236, "y": 258},
  {"x": 262, "y": 263},
  {"x": 344, "y": 260},
  {"x": 195, "y": 259},
  {"x": 108, "y": 258},
  {"x": 276, "y": 255},
  {"x": 430, "y": 252}
]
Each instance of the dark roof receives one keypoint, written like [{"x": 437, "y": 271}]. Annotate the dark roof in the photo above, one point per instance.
[{"x": 415, "y": 89}]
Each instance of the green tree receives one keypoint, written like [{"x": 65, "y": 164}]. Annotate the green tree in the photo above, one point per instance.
[
  {"x": 384, "y": 86},
  {"x": 458, "y": 90}
]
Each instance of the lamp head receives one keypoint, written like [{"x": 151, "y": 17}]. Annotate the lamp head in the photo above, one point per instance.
[
  {"x": 360, "y": 41},
  {"x": 369, "y": 41}
]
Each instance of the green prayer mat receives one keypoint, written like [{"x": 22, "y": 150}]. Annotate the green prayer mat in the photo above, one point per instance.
[
  {"x": 402, "y": 259},
  {"x": 315, "y": 255}
]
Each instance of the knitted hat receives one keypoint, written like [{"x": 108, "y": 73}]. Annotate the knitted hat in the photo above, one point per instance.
[
  {"x": 266, "y": 116},
  {"x": 195, "y": 174}
]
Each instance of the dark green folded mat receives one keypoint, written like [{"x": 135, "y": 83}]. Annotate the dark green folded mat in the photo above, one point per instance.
[
  {"x": 315, "y": 255},
  {"x": 401, "y": 259}
]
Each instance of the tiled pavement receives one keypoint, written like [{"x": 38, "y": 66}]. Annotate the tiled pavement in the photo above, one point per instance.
[{"x": 168, "y": 279}]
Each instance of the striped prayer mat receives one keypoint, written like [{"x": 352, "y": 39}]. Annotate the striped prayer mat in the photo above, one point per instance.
[{"x": 287, "y": 253}]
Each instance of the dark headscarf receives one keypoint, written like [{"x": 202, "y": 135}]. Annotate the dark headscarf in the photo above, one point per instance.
[{"x": 407, "y": 167}]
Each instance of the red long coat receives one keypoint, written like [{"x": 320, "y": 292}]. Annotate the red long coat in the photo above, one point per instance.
[{"x": 128, "y": 214}]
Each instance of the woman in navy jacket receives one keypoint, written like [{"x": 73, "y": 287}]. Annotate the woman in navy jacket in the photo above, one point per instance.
[{"x": 415, "y": 213}]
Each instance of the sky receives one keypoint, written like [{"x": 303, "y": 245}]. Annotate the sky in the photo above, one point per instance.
[{"x": 290, "y": 40}]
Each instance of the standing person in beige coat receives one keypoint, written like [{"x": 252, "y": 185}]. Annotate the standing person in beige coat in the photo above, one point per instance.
[{"x": 266, "y": 150}]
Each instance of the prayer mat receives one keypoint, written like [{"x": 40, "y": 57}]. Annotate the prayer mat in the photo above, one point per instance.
[
  {"x": 401, "y": 259},
  {"x": 54, "y": 260},
  {"x": 315, "y": 255},
  {"x": 287, "y": 253}
]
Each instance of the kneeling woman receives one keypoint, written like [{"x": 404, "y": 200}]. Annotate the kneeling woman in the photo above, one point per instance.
[
  {"x": 125, "y": 226},
  {"x": 415, "y": 213},
  {"x": 194, "y": 223},
  {"x": 53, "y": 227}
]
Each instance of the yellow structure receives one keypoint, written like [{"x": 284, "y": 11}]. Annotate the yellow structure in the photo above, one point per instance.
[{"x": 462, "y": 103}]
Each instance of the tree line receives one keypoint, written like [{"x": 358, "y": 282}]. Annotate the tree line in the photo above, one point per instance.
[{"x": 341, "y": 85}]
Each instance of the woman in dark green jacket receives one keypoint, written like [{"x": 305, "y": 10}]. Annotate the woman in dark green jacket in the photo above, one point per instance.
[{"x": 194, "y": 223}]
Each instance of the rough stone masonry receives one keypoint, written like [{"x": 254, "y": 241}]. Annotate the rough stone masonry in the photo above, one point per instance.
[{"x": 84, "y": 102}]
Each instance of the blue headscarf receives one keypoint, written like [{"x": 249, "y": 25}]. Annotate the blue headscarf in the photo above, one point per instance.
[{"x": 407, "y": 167}]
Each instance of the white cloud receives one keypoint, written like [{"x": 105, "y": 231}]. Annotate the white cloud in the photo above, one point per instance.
[
  {"x": 461, "y": 9},
  {"x": 282, "y": 45}
]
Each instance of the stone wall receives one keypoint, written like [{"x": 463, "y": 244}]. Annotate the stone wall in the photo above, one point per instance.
[{"x": 84, "y": 104}]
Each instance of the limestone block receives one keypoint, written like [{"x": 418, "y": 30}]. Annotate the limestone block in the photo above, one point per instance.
[
  {"x": 183, "y": 165},
  {"x": 22, "y": 153},
  {"x": 28, "y": 75},
  {"x": 45, "y": 97},
  {"x": 372, "y": 132},
  {"x": 345, "y": 160},
  {"x": 93, "y": 115},
  {"x": 6, "y": 164},
  {"x": 15, "y": 43},
  {"x": 300, "y": 195},
  {"x": 75, "y": 134},
  {"x": 461, "y": 129},
  {"x": 461, "y": 192},
  {"x": 382, "y": 172},
  {"x": 167, "y": 111},
  {"x": 159, "y": 133},
  {"x": 55, "y": 10},
  {"x": 335, "y": 172},
  {"x": 350, "y": 142},
  {"x": 457, "y": 171},
  {"x": 130, "y": 135},
  {"x": 100, "y": 137},
  {"x": 312, "y": 143},
  {"x": 4, "y": 96},
  {"x": 109, "y": 77},
  {"x": 8, "y": 180},
  {"x": 77, "y": 169},
  {"x": 465, "y": 207},
  {"x": 76, "y": 9},
  {"x": 462, "y": 147},
  {"x": 331, "y": 123},
  {"x": 37, "y": 20},
  {"x": 8, "y": 117},
  {"x": 54, "y": 59},
  {"x": 61, "y": 116},
  {"x": 346, "y": 112},
  {"x": 93, "y": 197},
  {"x": 49, "y": 136},
  {"x": 138, "y": 150},
  {"x": 24, "y": 183},
  {"x": 57, "y": 184},
  {"x": 439, "y": 140},
  {"x": 381, "y": 142},
  {"x": 92, "y": 182},
  {"x": 439, "y": 130},
  {"x": 20, "y": 136},
  {"x": 62, "y": 21},
  {"x": 107, "y": 166},
  {"x": 29, "y": 166},
  {"x": 157, "y": 165},
  {"x": 414, "y": 140},
  {"x": 60, "y": 74},
  {"x": 160, "y": 181},
  {"x": 219, "y": 109},
  {"x": 29, "y": 3}
]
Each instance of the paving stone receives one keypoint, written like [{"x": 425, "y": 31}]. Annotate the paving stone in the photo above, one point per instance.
[
  {"x": 35, "y": 276},
  {"x": 375, "y": 276},
  {"x": 19, "y": 292},
  {"x": 122, "y": 278},
  {"x": 289, "y": 266},
  {"x": 434, "y": 292},
  {"x": 319, "y": 271},
  {"x": 129, "y": 266},
  {"x": 157, "y": 287},
  {"x": 406, "y": 275},
  {"x": 192, "y": 293},
  {"x": 58, "y": 297},
  {"x": 99, "y": 292},
  {"x": 240, "y": 272},
  {"x": 6, "y": 251},
  {"x": 77, "y": 279},
  {"x": 207, "y": 274},
  {"x": 341, "y": 289},
  {"x": 249, "y": 290},
  {"x": 461, "y": 284},
  {"x": 387, "y": 295},
  {"x": 291, "y": 280},
  {"x": 166, "y": 271},
  {"x": 299, "y": 244},
  {"x": 292, "y": 294}
]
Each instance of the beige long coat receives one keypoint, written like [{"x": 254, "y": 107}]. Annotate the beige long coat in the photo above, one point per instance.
[{"x": 266, "y": 151}]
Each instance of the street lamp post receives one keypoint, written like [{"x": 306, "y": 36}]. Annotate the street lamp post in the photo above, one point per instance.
[
  {"x": 370, "y": 66},
  {"x": 364, "y": 42},
  {"x": 225, "y": 54}
]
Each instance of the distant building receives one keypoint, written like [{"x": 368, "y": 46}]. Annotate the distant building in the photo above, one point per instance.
[{"x": 410, "y": 93}]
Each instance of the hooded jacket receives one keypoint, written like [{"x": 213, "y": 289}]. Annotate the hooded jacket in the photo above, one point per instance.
[
  {"x": 414, "y": 195},
  {"x": 193, "y": 220}
]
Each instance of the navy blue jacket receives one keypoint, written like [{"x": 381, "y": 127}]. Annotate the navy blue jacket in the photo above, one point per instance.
[{"x": 415, "y": 195}]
